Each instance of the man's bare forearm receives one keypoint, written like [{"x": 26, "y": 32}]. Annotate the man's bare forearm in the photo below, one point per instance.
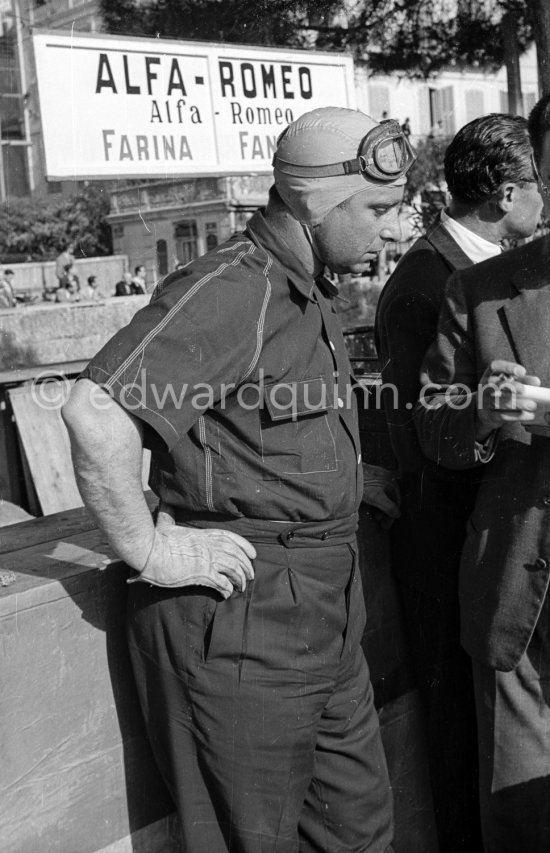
[{"x": 107, "y": 453}]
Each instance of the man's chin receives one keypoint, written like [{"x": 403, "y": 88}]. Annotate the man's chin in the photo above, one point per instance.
[
  {"x": 360, "y": 268},
  {"x": 363, "y": 267}
]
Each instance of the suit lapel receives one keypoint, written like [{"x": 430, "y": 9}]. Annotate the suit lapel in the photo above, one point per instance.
[
  {"x": 448, "y": 248},
  {"x": 528, "y": 320}
]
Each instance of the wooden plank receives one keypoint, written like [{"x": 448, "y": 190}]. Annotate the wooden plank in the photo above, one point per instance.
[
  {"x": 46, "y": 446},
  {"x": 54, "y": 570},
  {"x": 14, "y": 537},
  {"x": 23, "y": 374},
  {"x": 45, "y": 440},
  {"x": 50, "y": 528},
  {"x": 11, "y": 513}
]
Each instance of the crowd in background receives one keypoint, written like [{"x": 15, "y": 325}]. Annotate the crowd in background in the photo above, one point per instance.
[{"x": 67, "y": 286}]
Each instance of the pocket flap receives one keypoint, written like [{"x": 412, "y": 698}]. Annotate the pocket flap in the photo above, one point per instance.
[{"x": 284, "y": 400}]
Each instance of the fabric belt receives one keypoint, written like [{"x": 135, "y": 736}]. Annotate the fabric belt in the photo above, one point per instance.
[{"x": 291, "y": 534}]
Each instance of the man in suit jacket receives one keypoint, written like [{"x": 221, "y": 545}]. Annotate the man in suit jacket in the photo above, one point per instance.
[
  {"x": 139, "y": 282},
  {"x": 492, "y": 344},
  {"x": 124, "y": 287},
  {"x": 485, "y": 167}
]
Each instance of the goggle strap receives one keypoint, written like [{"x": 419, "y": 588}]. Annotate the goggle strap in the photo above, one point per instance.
[
  {"x": 331, "y": 170},
  {"x": 356, "y": 166}
]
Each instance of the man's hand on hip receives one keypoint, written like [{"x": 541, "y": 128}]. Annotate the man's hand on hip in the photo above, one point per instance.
[
  {"x": 185, "y": 556},
  {"x": 381, "y": 494}
]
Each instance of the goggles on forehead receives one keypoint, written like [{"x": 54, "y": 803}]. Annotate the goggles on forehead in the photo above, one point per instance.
[{"x": 384, "y": 155}]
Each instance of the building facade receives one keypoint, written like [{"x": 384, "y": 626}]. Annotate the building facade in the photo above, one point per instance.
[
  {"x": 181, "y": 219},
  {"x": 453, "y": 98}
]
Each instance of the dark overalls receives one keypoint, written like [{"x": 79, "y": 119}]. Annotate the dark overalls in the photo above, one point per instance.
[{"x": 259, "y": 707}]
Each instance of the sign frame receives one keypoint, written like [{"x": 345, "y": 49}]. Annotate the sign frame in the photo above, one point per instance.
[{"x": 242, "y": 98}]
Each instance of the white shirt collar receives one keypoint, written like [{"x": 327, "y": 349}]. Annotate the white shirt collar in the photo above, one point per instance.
[{"x": 477, "y": 248}]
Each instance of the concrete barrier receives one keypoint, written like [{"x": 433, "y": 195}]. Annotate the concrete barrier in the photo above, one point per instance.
[{"x": 50, "y": 333}]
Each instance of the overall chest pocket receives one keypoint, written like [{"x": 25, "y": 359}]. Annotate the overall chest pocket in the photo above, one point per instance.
[{"x": 298, "y": 428}]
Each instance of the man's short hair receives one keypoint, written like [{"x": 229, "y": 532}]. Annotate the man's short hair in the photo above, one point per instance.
[
  {"x": 539, "y": 125},
  {"x": 9, "y": 272},
  {"x": 486, "y": 153}
]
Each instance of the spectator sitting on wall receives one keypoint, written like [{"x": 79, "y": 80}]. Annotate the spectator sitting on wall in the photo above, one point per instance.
[
  {"x": 68, "y": 292},
  {"x": 69, "y": 277},
  {"x": 406, "y": 127},
  {"x": 73, "y": 287},
  {"x": 124, "y": 286},
  {"x": 139, "y": 285},
  {"x": 7, "y": 298},
  {"x": 69, "y": 287},
  {"x": 62, "y": 294},
  {"x": 89, "y": 292}
]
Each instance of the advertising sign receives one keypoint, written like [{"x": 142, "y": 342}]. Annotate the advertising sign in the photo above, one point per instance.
[{"x": 114, "y": 107}]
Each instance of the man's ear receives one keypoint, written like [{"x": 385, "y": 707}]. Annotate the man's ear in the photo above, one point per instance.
[{"x": 505, "y": 196}]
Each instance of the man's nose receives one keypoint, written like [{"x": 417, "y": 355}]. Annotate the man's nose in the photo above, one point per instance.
[{"x": 392, "y": 227}]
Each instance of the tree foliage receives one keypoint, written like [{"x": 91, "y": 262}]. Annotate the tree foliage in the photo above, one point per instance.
[
  {"x": 37, "y": 229},
  {"x": 426, "y": 179},
  {"x": 266, "y": 22},
  {"x": 427, "y": 170},
  {"x": 420, "y": 38},
  {"x": 414, "y": 37}
]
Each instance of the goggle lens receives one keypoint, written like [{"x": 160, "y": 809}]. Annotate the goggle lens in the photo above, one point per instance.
[{"x": 390, "y": 156}]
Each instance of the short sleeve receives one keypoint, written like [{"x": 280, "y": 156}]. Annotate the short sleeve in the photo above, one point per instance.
[{"x": 185, "y": 351}]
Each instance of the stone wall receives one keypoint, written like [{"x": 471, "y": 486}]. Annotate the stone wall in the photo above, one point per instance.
[{"x": 52, "y": 334}]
